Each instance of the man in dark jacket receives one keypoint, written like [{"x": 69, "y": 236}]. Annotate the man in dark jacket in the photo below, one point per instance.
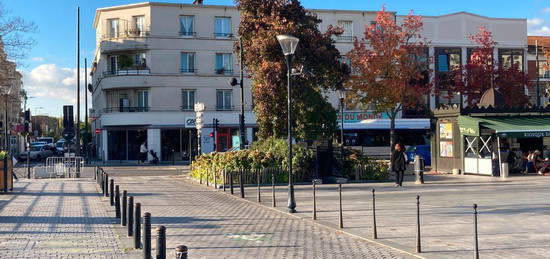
[{"x": 398, "y": 164}]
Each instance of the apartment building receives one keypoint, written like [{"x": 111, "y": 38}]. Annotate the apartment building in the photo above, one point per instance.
[
  {"x": 539, "y": 74},
  {"x": 10, "y": 88},
  {"x": 154, "y": 61}
]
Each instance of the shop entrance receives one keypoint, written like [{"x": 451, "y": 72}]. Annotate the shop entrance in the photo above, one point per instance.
[
  {"x": 176, "y": 144},
  {"x": 526, "y": 144},
  {"x": 223, "y": 139},
  {"x": 124, "y": 144}
]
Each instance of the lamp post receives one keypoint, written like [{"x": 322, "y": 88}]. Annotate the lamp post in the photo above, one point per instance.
[
  {"x": 288, "y": 44},
  {"x": 342, "y": 96},
  {"x": 234, "y": 82}
]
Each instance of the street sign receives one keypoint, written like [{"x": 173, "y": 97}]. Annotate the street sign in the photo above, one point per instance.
[
  {"x": 98, "y": 131},
  {"x": 190, "y": 122}
]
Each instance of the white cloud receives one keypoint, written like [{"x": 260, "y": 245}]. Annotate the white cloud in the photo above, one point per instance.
[
  {"x": 534, "y": 22},
  {"x": 38, "y": 59},
  {"x": 546, "y": 10}
]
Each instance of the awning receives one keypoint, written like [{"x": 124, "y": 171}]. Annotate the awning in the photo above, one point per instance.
[
  {"x": 385, "y": 124},
  {"x": 507, "y": 126}
]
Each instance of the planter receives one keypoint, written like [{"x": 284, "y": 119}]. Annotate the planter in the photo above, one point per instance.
[{"x": 9, "y": 174}]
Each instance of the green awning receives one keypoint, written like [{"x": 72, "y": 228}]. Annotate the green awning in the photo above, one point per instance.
[{"x": 507, "y": 126}]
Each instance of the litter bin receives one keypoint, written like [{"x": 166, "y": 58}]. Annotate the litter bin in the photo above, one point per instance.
[
  {"x": 504, "y": 170},
  {"x": 419, "y": 169}
]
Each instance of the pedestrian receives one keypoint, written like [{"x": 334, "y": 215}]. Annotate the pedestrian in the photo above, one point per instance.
[
  {"x": 143, "y": 152},
  {"x": 398, "y": 164}
]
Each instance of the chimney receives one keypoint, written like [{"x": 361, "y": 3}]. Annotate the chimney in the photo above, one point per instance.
[{"x": 197, "y": 2}]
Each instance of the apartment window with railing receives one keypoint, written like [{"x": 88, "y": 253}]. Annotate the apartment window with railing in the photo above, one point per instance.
[
  {"x": 347, "y": 35},
  {"x": 127, "y": 64},
  {"x": 224, "y": 100},
  {"x": 187, "y": 62},
  {"x": 143, "y": 101},
  {"x": 507, "y": 57},
  {"x": 187, "y": 25},
  {"x": 224, "y": 63},
  {"x": 222, "y": 27},
  {"x": 138, "y": 26},
  {"x": 112, "y": 27},
  {"x": 188, "y": 100}
]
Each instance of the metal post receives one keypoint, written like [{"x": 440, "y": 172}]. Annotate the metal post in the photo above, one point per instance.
[
  {"x": 342, "y": 131},
  {"x": 476, "y": 247},
  {"x": 112, "y": 192},
  {"x": 291, "y": 199},
  {"x": 207, "y": 175},
  {"x": 340, "y": 216},
  {"x": 273, "y": 189},
  {"x": 374, "y": 233},
  {"x": 137, "y": 226},
  {"x": 418, "y": 242},
  {"x": 77, "y": 128},
  {"x": 117, "y": 202},
  {"x": 181, "y": 252},
  {"x": 314, "y": 200},
  {"x": 130, "y": 223},
  {"x": 259, "y": 190},
  {"x": 241, "y": 117},
  {"x": 123, "y": 219},
  {"x": 86, "y": 109},
  {"x": 28, "y": 159},
  {"x": 215, "y": 179},
  {"x": 223, "y": 172},
  {"x": 241, "y": 182},
  {"x": 106, "y": 182},
  {"x": 146, "y": 235},
  {"x": 161, "y": 242},
  {"x": 231, "y": 182},
  {"x": 538, "y": 74},
  {"x": 5, "y": 173}
]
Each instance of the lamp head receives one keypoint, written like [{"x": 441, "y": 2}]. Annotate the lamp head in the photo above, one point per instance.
[
  {"x": 288, "y": 44},
  {"x": 233, "y": 82}
]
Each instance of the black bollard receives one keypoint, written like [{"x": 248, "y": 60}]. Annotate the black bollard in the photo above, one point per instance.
[
  {"x": 374, "y": 233},
  {"x": 112, "y": 192},
  {"x": 241, "y": 182},
  {"x": 181, "y": 252},
  {"x": 161, "y": 242},
  {"x": 314, "y": 200},
  {"x": 147, "y": 235},
  {"x": 130, "y": 223},
  {"x": 137, "y": 225},
  {"x": 418, "y": 243},
  {"x": 223, "y": 179},
  {"x": 259, "y": 190},
  {"x": 207, "y": 176},
  {"x": 215, "y": 179},
  {"x": 106, "y": 185},
  {"x": 231, "y": 182},
  {"x": 123, "y": 219},
  {"x": 273, "y": 189},
  {"x": 476, "y": 248},
  {"x": 340, "y": 216},
  {"x": 117, "y": 202}
]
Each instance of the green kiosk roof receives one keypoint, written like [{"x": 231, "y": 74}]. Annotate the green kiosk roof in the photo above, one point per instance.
[{"x": 507, "y": 126}]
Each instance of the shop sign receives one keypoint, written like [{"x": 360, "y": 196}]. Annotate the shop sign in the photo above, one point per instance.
[
  {"x": 529, "y": 134},
  {"x": 190, "y": 122},
  {"x": 359, "y": 116},
  {"x": 446, "y": 149}
]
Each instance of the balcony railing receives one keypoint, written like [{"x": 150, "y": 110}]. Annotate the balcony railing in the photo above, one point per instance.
[
  {"x": 126, "y": 32},
  {"x": 188, "y": 70},
  {"x": 223, "y": 71},
  {"x": 224, "y": 108},
  {"x": 126, "y": 109},
  {"x": 126, "y": 72},
  {"x": 344, "y": 38},
  {"x": 223, "y": 35},
  {"x": 188, "y": 33}
]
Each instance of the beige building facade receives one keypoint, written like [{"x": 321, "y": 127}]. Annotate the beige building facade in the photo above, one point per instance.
[
  {"x": 10, "y": 106},
  {"x": 155, "y": 61}
]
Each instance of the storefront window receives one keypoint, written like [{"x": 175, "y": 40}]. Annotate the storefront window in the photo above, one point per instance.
[{"x": 509, "y": 57}]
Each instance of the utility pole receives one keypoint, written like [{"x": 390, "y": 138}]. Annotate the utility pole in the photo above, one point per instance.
[
  {"x": 538, "y": 74},
  {"x": 77, "y": 81},
  {"x": 86, "y": 108}
]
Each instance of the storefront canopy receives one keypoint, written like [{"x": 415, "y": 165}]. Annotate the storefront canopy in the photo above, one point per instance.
[{"x": 507, "y": 126}]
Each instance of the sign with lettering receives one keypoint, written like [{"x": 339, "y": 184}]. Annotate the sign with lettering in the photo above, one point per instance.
[
  {"x": 190, "y": 122},
  {"x": 359, "y": 116},
  {"x": 525, "y": 134}
]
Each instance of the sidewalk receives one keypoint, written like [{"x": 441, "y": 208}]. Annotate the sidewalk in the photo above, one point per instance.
[
  {"x": 513, "y": 214},
  {"x": 216, "y": 225},
  {"x": 57, "y": 219}
]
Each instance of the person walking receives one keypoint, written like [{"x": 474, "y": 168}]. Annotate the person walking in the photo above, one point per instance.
[
  {"x": 398, "y": 164},
  {"x": 143, "y": 152}
]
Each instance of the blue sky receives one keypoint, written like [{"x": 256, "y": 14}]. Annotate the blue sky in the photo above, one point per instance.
[{"x": 49, "y": 71}]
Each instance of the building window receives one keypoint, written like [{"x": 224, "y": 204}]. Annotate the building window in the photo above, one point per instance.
[
  {"x": 543, "y": 72},
  {"x": 224, "y": 63},
  {"x": 447, "y": 59},
  {"x": 223, "y": 100},
  {"x": 188, "y": 100},
  {"x": 113, "y": 28},
  {"x": 143, "y": 101},
  {"x": 222, "y": 27},
  {"x": 509, "y": 57},
  {"x": 346, "y": 60},
  {"x": 187, "y": 25},
  {"x": 188, "y": 62},
  {"x": 139, "y": 60},
  {"x": 138, "y": 26},
  {"x": 347, "y": 35},
  {"x": 112, "y": 65}
]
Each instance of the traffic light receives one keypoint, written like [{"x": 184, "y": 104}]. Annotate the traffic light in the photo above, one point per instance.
[
  {"x": 216, "y": 124},
  {"x": 28, "y": 115},
  {"x": 212, "y": 134},
  {"x": 68, "y": 119}
]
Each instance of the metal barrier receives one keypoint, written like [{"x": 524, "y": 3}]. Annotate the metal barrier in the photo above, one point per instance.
[{"x": 65, "y": 167}]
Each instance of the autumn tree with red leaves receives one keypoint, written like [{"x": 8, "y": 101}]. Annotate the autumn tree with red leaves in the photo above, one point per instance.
[
  {"x": 261, "y": 22},
  {"x": 389, "y": 65},
  {"x": 481, "y": 73}
]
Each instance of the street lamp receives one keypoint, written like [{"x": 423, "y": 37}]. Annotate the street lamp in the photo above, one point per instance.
[
  {"x": 342, "y": 96},
  {"x": 288, "y": 44},
  {"x": 234, "y": 82}
]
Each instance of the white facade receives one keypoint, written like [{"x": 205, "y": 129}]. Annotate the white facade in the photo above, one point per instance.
[{"x": 152, "y": 57}]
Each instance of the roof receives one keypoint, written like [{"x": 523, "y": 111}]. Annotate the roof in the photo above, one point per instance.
[
  {"x": 543, "y": 41},
  {"x": 468, "y": 13},
  {"x": 507, "y": 126}
]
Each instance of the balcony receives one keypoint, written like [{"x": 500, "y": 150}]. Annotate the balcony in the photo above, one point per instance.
[
  {"x": 344, "y": 38},
  {"x": 223, "y": 35},
  {"x": 125, "y": 31},
  {"x": 126, "y": 109},
  {"x": 188, "y": 34},
  {"x": 127, "y": 72},
  {"x": 188, "y": 70},
  {"x": 224, "y": 108},
  {"x": 223, "y": 71}
]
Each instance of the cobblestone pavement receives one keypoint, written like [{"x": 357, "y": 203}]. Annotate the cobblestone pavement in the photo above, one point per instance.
[
  {"x": 61, "y": 218},
  {"x": 514, "y": 215},
  {"x": 216, "y": 225}
]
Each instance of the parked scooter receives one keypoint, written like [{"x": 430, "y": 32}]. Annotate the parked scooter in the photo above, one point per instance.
[{"x": 155, "y": 159}]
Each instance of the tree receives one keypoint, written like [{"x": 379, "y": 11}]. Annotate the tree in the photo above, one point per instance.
[
  {"x": 390, "y": 65},
  {"x": 481, "y": 73},
  {"x": 261, "y": 22},
  {"x": 13, "y": 30}
]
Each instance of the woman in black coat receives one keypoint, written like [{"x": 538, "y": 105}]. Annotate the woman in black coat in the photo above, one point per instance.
[{"x": 398, "y": 164}]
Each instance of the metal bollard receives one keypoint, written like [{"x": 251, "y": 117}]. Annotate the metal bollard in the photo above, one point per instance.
[
  {"x": 223, "y": 179},
  {"x": 123, "y": 219},
  {"x": 259, "y": 190},
  {"x": 117, "y": 202},
  {"x": 112, "y": 192},
  {"x": 106, "y": 185},
  {"x": 130, "y": 223},
  {"x": 207, "y": 176},
  {"x": 476, "y": 246},
  {"x": 147, "y": 235},
  {"x": 314, "y": 200},
  {"x": 340, "y": 216},
  {"x": 231, "y": 182},
  {"x": 137, "y": 225},
  {"x": 241, "y": 182},
  {"x": 181, "y": 252},
  {"x": 161, "y": 242},
  {"x": 418, "y": 243},
  {"x": 273, "y": 190},
  {"x": 374, "y": 233}
]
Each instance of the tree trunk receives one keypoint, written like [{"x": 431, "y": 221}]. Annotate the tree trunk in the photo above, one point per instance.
[{"x": 392, "y": 115}]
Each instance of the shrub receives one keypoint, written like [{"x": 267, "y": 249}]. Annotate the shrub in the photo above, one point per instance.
[{"x": 360, "y": 167}]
